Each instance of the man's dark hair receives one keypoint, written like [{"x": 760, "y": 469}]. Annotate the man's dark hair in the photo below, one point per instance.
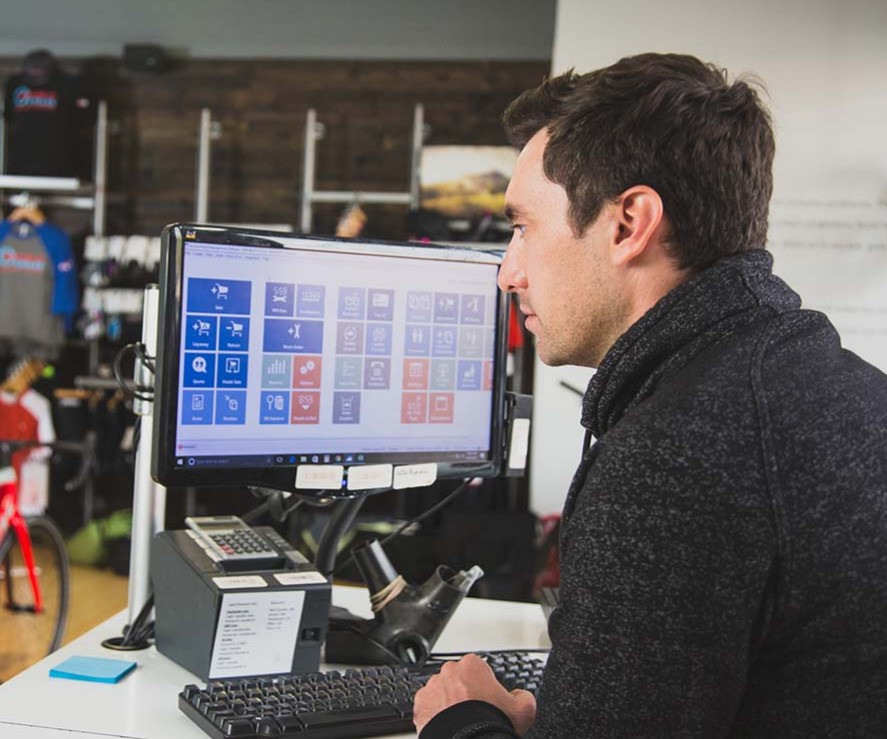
[{"x": 668, "y": 121}]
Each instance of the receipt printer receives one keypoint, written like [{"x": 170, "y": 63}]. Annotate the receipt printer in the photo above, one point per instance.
[{"x": 233, "y": 601}]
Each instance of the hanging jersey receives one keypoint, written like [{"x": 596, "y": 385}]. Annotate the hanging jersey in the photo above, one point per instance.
[
  {"x": 28, "y": 417},
  {"x": 38, "y": 285},
  {"x": 41, "y": 122}
]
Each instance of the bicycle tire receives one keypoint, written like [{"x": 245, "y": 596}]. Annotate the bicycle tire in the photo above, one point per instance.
[{"x": 34, "y": 635}]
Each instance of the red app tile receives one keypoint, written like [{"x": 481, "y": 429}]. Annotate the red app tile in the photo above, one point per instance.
[
  {"x": 414, "y": 408},
  {"x": 306, "y": 371},
  {"x": 440, "y": 407},
  {"x": 415, "y": 374},
  {"x": 488, "y": 375},
  {"x": 305, "y": 407}
]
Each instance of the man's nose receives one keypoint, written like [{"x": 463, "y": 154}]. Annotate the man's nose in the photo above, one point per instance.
[{"x": 512, "y": 276}]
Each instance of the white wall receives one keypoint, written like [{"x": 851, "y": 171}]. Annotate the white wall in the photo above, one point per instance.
[
  {"x": 337, "y": 29},
  {"x": 824, "y": 63}
]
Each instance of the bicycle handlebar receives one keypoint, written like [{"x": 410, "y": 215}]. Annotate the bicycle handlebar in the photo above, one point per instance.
[{"x": 8, "y": 447}]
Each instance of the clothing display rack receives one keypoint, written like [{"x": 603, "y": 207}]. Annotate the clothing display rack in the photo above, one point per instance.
[
  {"x": 314, "y": 131},
  {"x": 67, "y": 192}
]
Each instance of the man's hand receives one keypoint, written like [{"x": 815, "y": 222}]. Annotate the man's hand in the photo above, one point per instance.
[{"x": 472, "y": 679}]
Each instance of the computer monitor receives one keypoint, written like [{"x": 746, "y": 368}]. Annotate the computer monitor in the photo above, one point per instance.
[{"x": 278, "y": 352}]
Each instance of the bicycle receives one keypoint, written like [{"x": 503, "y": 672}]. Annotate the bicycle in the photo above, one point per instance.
[{"x": 34, "y": 567}]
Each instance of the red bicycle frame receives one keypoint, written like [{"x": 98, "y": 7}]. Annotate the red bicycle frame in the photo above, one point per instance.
[{"x": 10, "y": 516}]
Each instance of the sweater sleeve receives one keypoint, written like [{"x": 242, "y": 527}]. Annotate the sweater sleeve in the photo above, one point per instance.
[
  {"x": 469, "y": 720},
  {"x": 664, "y": 567}
]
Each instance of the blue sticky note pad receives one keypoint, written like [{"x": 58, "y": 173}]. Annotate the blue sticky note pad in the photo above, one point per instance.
[{"x": 93, "y": 669}]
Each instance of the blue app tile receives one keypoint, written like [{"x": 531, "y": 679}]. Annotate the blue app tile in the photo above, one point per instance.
[
  {"x": 472, "y": 309},
  {"x": 200, "y": 332},
  {"x": 274, "y": 407},
  {"x": 200, "y": 369},
  {"x": 346, "y": 407},
  {"x": 380, "y": 305},
  {"x": 293, "y": 335},
  {"x": 218, "y": 296},
  {"x": 443, "y": 342},
  {"x": 471, "y": 341},
  {"x": 417, "y": 341},
  {"x": 348, "y": 372},
  {"x": 468, "y": 375},
  {"x": 419, "y": 305},
  {"x": 231, "y": 407},
  {"x": 310, "y": 301},
  {"x": 378, "y": 338},
  {"x": 234, "y": 334},
  {"x": 232, "y": 370},
  {"x": 352, "y": 302},
  {"x": 446, "y": 307},
  {"x": 197, "y": 407},
  {"x": 280, "y": 299}
]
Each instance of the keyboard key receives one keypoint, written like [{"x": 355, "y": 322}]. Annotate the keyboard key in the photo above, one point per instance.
[{"x": 326, "y": 720}]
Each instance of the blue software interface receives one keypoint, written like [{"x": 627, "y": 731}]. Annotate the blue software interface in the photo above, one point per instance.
[{"x": 312, "y": 355}]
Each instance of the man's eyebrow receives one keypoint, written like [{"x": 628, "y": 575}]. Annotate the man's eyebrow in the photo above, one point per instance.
[{"x": 513, "y": 212}]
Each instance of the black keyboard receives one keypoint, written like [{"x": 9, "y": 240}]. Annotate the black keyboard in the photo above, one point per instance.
[{"x": 331, "y": 705}]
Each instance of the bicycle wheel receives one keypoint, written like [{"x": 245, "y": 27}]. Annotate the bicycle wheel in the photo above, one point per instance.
[{"x": 27, "y": 636}]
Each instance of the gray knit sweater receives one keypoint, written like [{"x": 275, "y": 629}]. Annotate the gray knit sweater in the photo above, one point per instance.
[{"x": 724, "y": 543}]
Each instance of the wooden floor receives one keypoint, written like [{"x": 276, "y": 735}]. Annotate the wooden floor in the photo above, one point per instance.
[{"x": 96, "y": 595}]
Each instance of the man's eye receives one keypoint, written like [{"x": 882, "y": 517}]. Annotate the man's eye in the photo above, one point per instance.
[{"x": 518, "y": 227}]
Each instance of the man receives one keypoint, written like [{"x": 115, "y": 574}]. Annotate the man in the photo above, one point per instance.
[{"x": 724, "y": 541}]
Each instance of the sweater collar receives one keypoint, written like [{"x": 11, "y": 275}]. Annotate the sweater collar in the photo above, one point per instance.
[{"x": 695, "y": 314}]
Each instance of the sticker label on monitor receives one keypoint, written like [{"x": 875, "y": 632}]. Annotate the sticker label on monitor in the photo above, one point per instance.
[
  {"x": 414, "y": 475},
  {"x": 240, "y": 581},
  {"x": 301, "y": 578},
  {"x": 319, "y": 476},
  {"x": 370, "y": 476},
  {"x": 520, "y": 441},
  {"x": 256, "y": 633}
]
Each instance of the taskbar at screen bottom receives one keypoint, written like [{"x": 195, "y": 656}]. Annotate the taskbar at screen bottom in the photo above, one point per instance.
[{"x": 252, "y": 461}]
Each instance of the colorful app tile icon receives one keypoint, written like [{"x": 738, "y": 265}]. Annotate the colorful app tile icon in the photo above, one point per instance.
[
  {"x": 471, "y": 341},
  {"x": 218, "y": 296},
  {"x": 349, "y": 338},
  {"x": 352, "y": 303},
  {"x": 446, "y": 307},
  {"x": 380, "y": 305},
  {"x": 417, "y": 340},
  {"x": 310, "y": 299},
  {"x": 200, "y": 332},
  {"x": 377, "y": 373},
  {"x": 279, "y": 299},
  {"x": 277, "y": 370},
  {"x": 349, "y": 371},
  {"x": 231, "y": 407},
  {"x": 441, "y": 407},
  {"x": 443, "y": 342},
  {"x": 346, "y": 407},
  {"x": 378, "y": 338},
  {"x": 469, "y": 375},
  {"x": 274, "y": 408},
  {"x": 232, "y": 369},
  {"x": 419, "y": 307},
  {"x": 234, "y": 334},
  {"x": 443, "y": 374},
  {"x": 305, "y": 407},
  {"x": 306, "y": 371},
  {"x": 414, "y": 408},
  {"x": 415, "y": 374},
  {"x": 488, "y": 375},
  {"x": 294, "y": 335},
  {"x": 472, "y": 309},
  {"x": 197, "y": 407},
  {"x": 489, "y": 341},
  {"x": 200, "y": 369}
]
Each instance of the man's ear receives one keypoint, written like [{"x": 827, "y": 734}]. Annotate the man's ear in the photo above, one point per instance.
[{"x": 638, "y": 217}]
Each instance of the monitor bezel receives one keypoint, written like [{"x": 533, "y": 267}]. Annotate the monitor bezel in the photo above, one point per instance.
[{"x": 163, "y": 467}]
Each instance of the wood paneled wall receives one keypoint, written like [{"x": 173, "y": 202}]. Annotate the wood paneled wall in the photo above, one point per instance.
[{"x": 366, "y": 106}]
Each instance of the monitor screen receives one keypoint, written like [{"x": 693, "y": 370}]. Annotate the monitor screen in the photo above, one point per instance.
[{"x": 276, "y": 352}]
